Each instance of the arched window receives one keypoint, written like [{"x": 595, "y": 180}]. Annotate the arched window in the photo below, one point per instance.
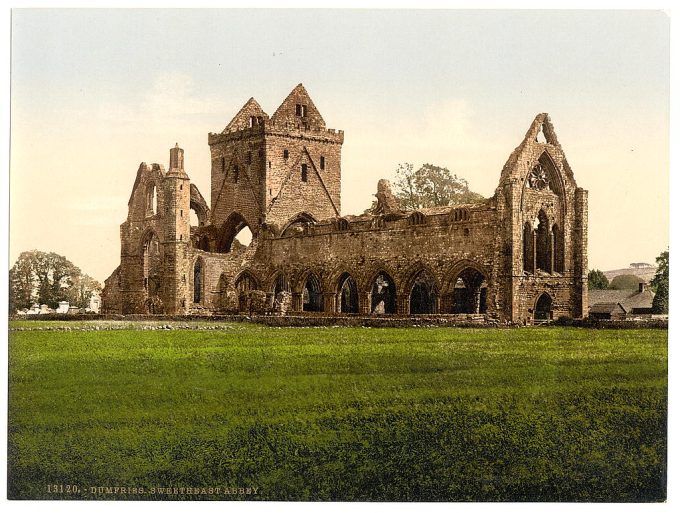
[
  {"x": 343, "y": 224},
  {"x": 558, "y": 249},
  {"x": 529, "y": 264},
  {"x": 198, "y": 281},
  {"x": 304, "y": 172},
  {"x": 152, "y": 264},
  {"x": 543, "y": 246},
  {"x": 246, "y": 282},
  {"x": 151, "y": 200}
]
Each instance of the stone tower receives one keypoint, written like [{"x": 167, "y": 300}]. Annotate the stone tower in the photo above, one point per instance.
[
  {"x": 270, "y": 170},
  {"x": 177, "y": 238}
]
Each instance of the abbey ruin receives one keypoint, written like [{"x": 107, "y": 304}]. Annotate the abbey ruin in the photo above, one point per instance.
[{"x": 518, "y": 256}]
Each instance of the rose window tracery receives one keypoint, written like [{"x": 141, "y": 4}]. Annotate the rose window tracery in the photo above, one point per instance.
[{"x": 538, "y": 178}]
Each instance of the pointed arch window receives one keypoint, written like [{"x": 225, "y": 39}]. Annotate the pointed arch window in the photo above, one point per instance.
[
  {"x": 198, "y": 281},
  {"x": 558, "y": 249}
]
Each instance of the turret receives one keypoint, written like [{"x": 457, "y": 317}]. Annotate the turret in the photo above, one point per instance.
[{"x": 177, "y": 192}]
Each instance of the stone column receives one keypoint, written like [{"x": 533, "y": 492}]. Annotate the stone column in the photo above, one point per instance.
[
  {"x": 329, "y": 302},
  {"x": 533, "y": 251},
  {"x": 403, "y": 304},
  {"x": 552, "y": 252},
  {"x": 476, "y": 297},
  {"x": 436, "y": 305},
  {"x": 297, "y": 302},
  {"x": 365, "y": 303}
]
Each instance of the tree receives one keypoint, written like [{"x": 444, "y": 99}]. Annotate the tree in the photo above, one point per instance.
[
  {"x": 625, "y": 282},
  {"x": 47, "y": 278},
  {"x": 431, "y": 186},
  {"x": 660, "y": 282},
  {"x": 597, "y": 280}
]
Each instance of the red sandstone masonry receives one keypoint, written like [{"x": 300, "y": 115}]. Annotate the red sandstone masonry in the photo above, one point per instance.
[{"x": 258, "y": 180}]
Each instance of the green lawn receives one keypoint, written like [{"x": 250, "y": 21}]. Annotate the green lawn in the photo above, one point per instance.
[{"x": 440, "y": 414}]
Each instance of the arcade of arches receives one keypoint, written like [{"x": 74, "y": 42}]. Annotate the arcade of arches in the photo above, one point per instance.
[{"x": 466, "y": 294}]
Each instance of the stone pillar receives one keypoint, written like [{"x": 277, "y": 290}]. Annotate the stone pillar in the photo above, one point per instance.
[
  {"x": 533, "y": 251},
  {"x": 476, "y": 297},
  {"x": 403, "y": 304},
  {"x": 446, "y": 303},
  {"x": 365, "y": 303},
  {"x": 552, "y": 252},
  {"x": 329, "y": 303},
  {"x": 297, "y": 302},
  {"x": 436, "y": 305}
]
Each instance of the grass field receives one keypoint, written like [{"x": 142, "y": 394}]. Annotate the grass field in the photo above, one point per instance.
[{"x": 441, "y": 414}]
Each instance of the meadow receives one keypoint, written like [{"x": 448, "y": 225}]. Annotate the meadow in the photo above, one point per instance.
[{"x": 351, "y": 414}]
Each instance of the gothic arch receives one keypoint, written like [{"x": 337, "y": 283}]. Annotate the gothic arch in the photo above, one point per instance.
[
  {"x": 543, "y": 307},
  {"x": 547, "y": 165},
  {"x": 279, "y": 283},
  {"x": 383, "y": 293},
  {"x": 245, "y": 281},
  {"x": 152, "y": 263},
  {"x": 312, "y": 292},
  {"x": 347, "y": 294},
  {"x": 229, "y": 230},
  {"x": 467, "y": 288},
  {"x": 301, "y": 218},
  {"x": 370, "y": 273},
  {"x": 198, "y": 281},
  {"x": 408, "y": 278},
  {"x": 423, "y": 290}
]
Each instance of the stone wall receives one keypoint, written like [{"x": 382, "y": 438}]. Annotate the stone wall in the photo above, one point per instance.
[{"x": 519, "y": 256}]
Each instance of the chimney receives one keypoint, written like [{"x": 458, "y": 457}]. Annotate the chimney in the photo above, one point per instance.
[{"x": 641, "y": 287}]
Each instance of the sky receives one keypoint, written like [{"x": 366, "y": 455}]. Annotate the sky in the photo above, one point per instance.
[{"x": 96, "y": 92}]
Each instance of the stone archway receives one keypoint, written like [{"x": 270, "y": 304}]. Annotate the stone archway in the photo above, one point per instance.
[
  {"x": 469, "y": 292},
  {"x": 383, "y": 294},
  {"x": 347, "y": 294},
  {"x": 424, "y": 296},
  {"x": 543, "y": 308},
  {"x": 312, "y": 294}
]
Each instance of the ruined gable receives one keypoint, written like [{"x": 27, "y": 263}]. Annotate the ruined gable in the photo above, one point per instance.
[
  {"x": 250, "y": 115},
  {"x": 298, "y": 111}
]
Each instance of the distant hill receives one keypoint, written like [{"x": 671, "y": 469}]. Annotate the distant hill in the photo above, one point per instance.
[{"x": 646, "y": 273}]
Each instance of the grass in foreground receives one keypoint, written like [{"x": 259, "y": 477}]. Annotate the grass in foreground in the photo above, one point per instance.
[{"x": 342, "y": 414}]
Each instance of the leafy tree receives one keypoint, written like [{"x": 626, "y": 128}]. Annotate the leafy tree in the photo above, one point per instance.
[
  {"x": 625, "y": 282},
  {"x": 660, "y": 282},
  {"x": 597, "y": 280},
  {"x": 47, "y": 278},
  {"x": 431, "y": 186}
]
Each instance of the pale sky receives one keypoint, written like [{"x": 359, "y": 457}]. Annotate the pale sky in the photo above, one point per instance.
[{"x": 96, "y": 92}]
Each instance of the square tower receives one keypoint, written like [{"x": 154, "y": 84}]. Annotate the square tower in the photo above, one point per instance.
[{"x": 269, "y": 170}]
